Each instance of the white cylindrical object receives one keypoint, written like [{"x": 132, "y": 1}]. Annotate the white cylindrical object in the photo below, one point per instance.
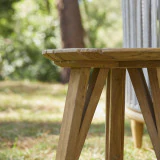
[{"x": 140, "y": 31}]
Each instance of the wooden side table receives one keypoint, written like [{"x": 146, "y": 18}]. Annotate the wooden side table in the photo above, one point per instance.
[{"x": 85, "y": 88}]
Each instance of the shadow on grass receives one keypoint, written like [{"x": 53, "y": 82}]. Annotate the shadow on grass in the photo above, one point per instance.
[{"x": 11, "y": 130}]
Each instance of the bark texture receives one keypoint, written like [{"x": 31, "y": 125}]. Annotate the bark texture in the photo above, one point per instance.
[{"x": 72, "y": 32}]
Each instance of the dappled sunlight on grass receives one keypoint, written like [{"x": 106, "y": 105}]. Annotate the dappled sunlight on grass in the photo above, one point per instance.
[{"x": 30, "y": 119}]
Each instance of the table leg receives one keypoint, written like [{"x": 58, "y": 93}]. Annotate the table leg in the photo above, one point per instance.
[
  {"x": 115, "y": 120},
  {"x": 146, "y": 104},
  {"x": 73, "y": 113},
  {"x": 107, "y": 116},
  {"x": 95, "y": 88},
  {"x": 137, "y": 133},
  {"x": 155, "y": 91}
]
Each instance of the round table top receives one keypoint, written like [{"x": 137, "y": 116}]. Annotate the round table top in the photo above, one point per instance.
[{"x": 106, "y": 57}]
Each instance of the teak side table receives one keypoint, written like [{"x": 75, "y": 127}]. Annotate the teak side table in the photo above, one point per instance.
[{"x": 84, "y": 92}]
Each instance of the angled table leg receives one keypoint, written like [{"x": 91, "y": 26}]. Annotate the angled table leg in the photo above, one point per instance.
[
  {"x": 116, "y": 98},
  {"x": 94, "y": 91},
  {"x": 146, "y": 104},
  {"x": 155, "y": 91},
  {"x": 73, "y": 113}
]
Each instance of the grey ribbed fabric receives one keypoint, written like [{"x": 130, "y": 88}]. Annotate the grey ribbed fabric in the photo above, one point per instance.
[{"x": 140, "y": 30}]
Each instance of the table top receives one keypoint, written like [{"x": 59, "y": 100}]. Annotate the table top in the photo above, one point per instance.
[{"x": 94, "y": 57}]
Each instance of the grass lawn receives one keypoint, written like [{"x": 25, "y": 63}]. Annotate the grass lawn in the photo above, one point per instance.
[{"x": 30, "y": 118}]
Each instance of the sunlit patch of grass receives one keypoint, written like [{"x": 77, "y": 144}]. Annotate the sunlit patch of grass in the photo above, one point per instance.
[
  {"x": 42, "y": 147},
  {"x": 30, "y": 119}
]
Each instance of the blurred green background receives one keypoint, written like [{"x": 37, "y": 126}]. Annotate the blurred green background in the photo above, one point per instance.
[{"x": 27, "y": 27}]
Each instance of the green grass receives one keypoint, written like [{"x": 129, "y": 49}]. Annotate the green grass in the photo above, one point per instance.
[{"x": 30, "y": 118}]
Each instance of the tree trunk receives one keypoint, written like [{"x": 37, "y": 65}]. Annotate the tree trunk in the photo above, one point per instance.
[{"x": 71, "y": 28}]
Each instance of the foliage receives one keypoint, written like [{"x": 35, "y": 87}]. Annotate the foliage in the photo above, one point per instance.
[
  {"x": 29, "y": 26},
  {"x": 6, "y": 12},
  {"x": 33, "y": 31},
  {"x": 102, "y": 22}
]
